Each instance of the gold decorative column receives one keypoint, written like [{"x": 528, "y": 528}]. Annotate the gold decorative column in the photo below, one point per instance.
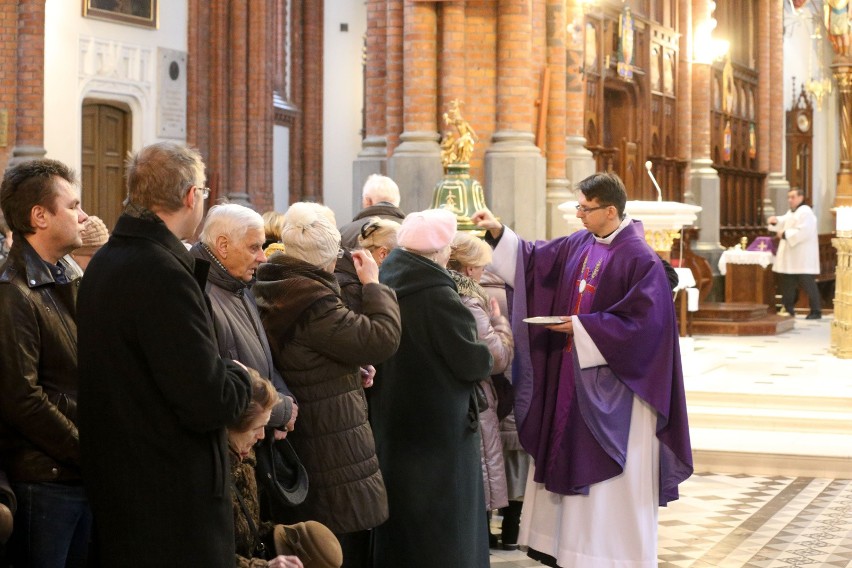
[
  {"x": 841, "y": 327},
  {"x": 843, "y": 76}
]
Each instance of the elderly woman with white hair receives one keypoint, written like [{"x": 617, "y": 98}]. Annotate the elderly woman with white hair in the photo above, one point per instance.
[
  {"x": 424, "y": 409},
  {"x": 320, "y": 344}
]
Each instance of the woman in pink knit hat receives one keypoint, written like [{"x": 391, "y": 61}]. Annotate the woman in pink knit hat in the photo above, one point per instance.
[{"x": 424, "y": 411}]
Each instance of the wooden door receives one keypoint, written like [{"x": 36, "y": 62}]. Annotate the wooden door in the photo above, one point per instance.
[{"x": 106, "y": 141}]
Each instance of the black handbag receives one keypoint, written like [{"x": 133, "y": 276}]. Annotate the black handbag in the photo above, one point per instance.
[
  {"x": 282, "y": 481},
  {"x": 480, "y": 396}
]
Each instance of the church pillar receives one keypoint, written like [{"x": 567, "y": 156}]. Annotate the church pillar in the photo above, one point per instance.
[
  {"x": 842, "y": 72},
  {"x": 762, "y": 102},
  {"x": 312, "y": 101},
  {"x": 29, "y": 84},
  {"x": 416, "y": 162},
  {"x": 452, "y": 79},
  {"x": 238, "y": 93},
  {"x": 257, "y": 169},
  {"x": 684, "y": 93},
  {"x": 579, "y": 161},
  {"x": 558, "y": 187},
  {"x": 777, "y": 185},
  {"x": 514, "y": 168},
  {"x": 394, "y": 73},
  {"x": 373, "y": 158},
  {"x": 703, "y": 178}
]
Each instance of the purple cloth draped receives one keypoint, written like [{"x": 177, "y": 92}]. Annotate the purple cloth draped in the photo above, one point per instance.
[
  {"x": 575, "y": 422},
  {"x": 763, "y": 244}
]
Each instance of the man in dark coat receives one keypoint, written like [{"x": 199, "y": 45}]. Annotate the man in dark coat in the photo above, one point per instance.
[
  {"x": 39, "y": 444},
  {"x": 424, "y": 412},
  {"x": 379, "y": 198},
  {"x": 155, "y": 396}
]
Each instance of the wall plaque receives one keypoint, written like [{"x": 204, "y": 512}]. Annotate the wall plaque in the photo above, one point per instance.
[{"x": 171, "y": 93}]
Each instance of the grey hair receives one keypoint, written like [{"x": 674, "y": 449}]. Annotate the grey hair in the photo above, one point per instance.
[
  {"x": 381, "y": 188},
  {"x": 230, "y": 220}
]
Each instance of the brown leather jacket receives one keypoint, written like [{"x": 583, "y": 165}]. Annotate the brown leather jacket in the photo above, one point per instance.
[{"x": 38, "y": 370}]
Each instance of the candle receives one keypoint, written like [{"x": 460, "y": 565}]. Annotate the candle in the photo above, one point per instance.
[{"x": 844, "y": 220}]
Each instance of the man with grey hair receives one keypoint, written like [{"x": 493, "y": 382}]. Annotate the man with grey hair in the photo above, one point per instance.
[
  {"x": 155, "y": 396},
  {"x": 232, "y": 242},
  {"x": 379, "y": 198}
]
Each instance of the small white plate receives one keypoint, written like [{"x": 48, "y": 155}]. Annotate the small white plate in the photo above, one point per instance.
[{"x": 544, "y": 320}]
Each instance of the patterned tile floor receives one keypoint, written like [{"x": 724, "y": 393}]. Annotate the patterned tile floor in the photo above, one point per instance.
[
  {"x": 736, "y": 520},
  {"x": 733, "y": 521}
]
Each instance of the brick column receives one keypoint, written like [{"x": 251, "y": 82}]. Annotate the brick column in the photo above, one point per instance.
[
  {"x": 394, "y": 68},
  {"x": 312, "y": 97},
  {"x": 764, "y": 86},
  {"x": 777, "y": 186},
  {"x": 557, "y": 186},
  {"x": 703, "y": 178},
  {"x": 260, "y": 36},
  {"x": 452, "y": 79},
  {"x": 29, "y": 118},
  {"x": 8, "y": 77},
  {"x": 684, "y": 92},
  {"x": 416, "y": 162},
  {"x": 207, "y": 91},
  {"x": 238, "y": 63},
  {"x": 579, "y": 162},
  {"x": 515, "y": 172},
  {"x": 372, "y": 159}
]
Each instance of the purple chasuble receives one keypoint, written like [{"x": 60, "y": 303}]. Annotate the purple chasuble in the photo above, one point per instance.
[{"x": 575, "y": 422}]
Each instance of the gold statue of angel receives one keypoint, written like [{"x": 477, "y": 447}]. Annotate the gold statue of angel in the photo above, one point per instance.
[{"x": 457, "y": 147}]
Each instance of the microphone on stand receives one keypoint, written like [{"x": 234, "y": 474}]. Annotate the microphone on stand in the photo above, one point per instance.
[{"x": 648, "y": 165}]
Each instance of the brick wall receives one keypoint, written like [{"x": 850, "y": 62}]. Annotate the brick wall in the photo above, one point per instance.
[
  {"x": 480, "y": 108},
  {"x": 229, "y": 94},
  {"x": 8, "y": 74},
  {"x": 30, "y": 81}
]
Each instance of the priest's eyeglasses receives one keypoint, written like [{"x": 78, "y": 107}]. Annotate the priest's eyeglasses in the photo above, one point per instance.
[{"x": 586, "y": 210}]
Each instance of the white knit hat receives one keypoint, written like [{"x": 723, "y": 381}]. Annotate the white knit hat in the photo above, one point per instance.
[{"x": 310, "y": 236}]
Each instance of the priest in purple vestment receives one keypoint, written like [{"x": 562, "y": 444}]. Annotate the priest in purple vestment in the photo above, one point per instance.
[{"x": 599, "y": 397}]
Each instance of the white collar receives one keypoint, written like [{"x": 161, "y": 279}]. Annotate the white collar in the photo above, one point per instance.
[{"x": 608, "y": 239}]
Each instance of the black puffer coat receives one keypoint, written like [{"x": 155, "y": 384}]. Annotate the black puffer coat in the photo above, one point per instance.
[{"x": 319, "y": 345}]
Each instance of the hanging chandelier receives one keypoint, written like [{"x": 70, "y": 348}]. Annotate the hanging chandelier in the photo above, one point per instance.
[{"x": 820, "y": 83}]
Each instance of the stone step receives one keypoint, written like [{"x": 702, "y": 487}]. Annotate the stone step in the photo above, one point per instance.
[
  {"x": 730, "y": 311},
  {"x": 756, "y": 401},
  {"x": 768, "y": 324},
  {"x": 761, "y": 452},
  {"x": 771, "y": 419}
]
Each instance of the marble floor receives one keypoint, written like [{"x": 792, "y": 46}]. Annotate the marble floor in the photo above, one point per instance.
[{"x": 729, "y": 519}]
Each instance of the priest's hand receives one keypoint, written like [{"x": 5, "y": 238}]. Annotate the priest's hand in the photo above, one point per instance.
[
  {"x": 486, "y": 220},
  {"x": 567, "y": 326}
]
